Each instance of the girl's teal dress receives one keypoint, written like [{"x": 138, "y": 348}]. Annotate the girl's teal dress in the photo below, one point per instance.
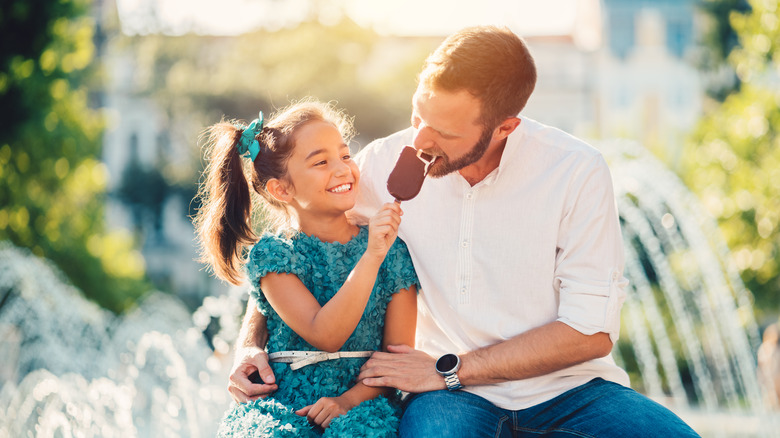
[{"x": 323, "y": 268}]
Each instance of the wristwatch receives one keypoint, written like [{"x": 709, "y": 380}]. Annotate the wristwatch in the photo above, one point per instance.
[{"x": 448, "y": 366}]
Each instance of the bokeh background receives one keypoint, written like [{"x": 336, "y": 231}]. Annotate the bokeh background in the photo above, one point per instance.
[{"x": 108, "y": 327}]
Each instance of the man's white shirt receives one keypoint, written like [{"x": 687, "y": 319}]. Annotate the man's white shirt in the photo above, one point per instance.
[{"x": 537, "y": 240}]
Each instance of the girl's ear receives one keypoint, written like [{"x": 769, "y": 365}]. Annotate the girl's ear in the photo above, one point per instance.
[{"x": 279, "y": 190}]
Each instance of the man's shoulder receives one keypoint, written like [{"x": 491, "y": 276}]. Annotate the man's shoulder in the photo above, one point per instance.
[{"x": 550, "y": 136}]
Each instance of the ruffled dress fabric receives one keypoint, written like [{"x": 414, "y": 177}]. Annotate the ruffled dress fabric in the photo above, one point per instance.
[{"x": 323, "y": 268}]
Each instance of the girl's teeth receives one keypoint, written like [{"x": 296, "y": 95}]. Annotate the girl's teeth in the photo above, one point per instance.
[{"x": 342, "y": 188}]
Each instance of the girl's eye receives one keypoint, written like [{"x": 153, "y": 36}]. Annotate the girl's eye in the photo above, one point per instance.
[{"x": 320, "y": 163}]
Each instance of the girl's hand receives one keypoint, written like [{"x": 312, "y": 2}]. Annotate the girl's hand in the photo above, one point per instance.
[
  {"x": 383, "y": 229},
  {"x": 325, "y": 409}
]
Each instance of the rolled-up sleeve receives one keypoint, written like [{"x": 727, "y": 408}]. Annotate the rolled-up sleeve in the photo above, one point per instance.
[{"x": 589, "y": 257}]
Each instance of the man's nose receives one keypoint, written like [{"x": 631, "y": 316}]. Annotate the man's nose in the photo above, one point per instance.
[{"x": 423, "y": 138}]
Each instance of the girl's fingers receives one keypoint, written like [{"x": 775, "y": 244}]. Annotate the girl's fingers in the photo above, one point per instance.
[
  {"x": 389, "y": 219},
  {"x": 322, "y": 418},
  {"x": 303, "y": 411},
  {"x": 393, "y": 207}
]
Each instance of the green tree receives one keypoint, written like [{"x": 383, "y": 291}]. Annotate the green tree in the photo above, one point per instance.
[
  {"x": 52, "y": 183},
  {"x": 717, "y": 39},
  {"x": 732, "y": 160}
]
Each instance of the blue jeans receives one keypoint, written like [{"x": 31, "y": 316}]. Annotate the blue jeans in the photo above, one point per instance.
[{"x": 595, "y": 409}]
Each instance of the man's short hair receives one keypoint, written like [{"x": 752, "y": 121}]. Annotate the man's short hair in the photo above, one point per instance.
[{"x": 491, "y": 63}]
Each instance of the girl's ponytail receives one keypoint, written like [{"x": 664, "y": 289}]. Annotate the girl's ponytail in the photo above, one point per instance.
[{"x": 223, "y": 222}]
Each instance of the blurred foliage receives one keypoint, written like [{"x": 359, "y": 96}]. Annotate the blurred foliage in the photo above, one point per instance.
[
  {"x": 717, "y": 39},
  {"x": 51, "y": 180},
  {"x": 199, "y": 79},
  {"x": 732, "y": 160}
]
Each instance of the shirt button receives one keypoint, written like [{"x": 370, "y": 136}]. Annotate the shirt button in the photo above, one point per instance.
[
  {"x": 469, "y": 195},
  {"x": 463, "y": 291},
  {"x": 464, "y": 244}
]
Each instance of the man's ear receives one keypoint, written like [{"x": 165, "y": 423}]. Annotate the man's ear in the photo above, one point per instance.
[
  {"x": 506, "y": 127},
  {"x": 279, "y": 190}
]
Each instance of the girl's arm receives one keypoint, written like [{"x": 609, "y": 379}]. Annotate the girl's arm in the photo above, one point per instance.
[
  {"x": 328, "y": 327},
  {"x": 400, "y": 326}
]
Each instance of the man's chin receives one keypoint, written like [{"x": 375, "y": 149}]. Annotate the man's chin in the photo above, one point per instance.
[{"x": 439, "y": 169}]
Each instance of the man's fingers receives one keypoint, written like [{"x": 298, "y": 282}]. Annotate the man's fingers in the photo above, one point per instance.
[
  {"x": 260, "y": 391},
  {"x": 267, "y": 374},
  {"x": 375, "y": 371},
  {"x": 379, "y": 356},
  {"x": 401, "y": 348},
  {"x": 237, "y": 395},
  {"x": 263, "y": 369},
  {"x": 376, "y": 381},
  {"x": 243, "y": 393},
  {"x": 378, "y": 373}
]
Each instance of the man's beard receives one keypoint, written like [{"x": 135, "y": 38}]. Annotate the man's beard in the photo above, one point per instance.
[{"x": 443, "y": 166}]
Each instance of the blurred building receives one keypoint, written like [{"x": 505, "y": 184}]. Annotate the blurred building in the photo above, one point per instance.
[
  {"x": 632, "y": 77},
  {"x": 649, "y": 89},
  {"x": 138, "y": 148},
  {"x": 614, "y": 68},
  {"x": 141, "y": 149}
]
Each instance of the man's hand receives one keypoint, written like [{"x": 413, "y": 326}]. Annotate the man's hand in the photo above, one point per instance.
[
  {"x": 325, "y": 410},
  {"x": 403, "y": 368},
  {"x": 248, "y": 360}
]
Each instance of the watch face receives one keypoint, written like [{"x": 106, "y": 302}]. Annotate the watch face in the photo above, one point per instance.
[{"x": 446, "y": 363}]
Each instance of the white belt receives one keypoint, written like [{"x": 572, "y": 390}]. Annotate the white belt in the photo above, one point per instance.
[{"x": 299, "y": 359}]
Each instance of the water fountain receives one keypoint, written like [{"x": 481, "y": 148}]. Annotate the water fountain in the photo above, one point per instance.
[
  {"x": 69, "y": 368},
  {"x": 688, "y": 329}
]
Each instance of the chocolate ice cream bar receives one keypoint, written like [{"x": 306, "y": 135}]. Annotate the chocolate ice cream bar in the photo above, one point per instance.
[{"x": 406, "y": 179}]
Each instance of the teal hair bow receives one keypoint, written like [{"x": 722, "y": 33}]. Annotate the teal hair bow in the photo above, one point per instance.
[{"x": 247, "y": 145}]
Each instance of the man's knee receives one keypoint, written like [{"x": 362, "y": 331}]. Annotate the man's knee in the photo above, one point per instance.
[{"x": 610, "y": 409}]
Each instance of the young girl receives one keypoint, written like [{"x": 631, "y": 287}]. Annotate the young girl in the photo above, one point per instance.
[{"x": 332, "y": 292}]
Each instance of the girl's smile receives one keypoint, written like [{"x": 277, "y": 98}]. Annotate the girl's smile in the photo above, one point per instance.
[{"x": 341, "y": 188}]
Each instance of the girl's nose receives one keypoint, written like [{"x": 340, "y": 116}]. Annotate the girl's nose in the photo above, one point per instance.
[{"x": 341, "y": 168}]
